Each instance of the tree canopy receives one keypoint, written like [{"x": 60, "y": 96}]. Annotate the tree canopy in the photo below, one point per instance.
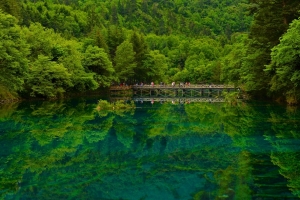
[{"x": 101, "y": 42}]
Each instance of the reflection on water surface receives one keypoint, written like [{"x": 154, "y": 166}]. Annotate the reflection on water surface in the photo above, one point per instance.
[{"x": 157, "y": 150}]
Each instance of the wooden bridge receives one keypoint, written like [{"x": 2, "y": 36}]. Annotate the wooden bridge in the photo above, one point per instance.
[{"x": 193, "y": 90}]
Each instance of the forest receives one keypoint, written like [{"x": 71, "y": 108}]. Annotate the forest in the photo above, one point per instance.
[{"x": 53, "y": 48}]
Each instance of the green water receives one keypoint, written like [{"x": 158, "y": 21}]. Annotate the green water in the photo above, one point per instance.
[{"x": 69, "y": 150}]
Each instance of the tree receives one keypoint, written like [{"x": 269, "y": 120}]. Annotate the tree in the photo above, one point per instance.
[
  {"x": 97, "y": 61},
  {"x": 13, "y": 54},
  {"x": 99, "y": 39},
  {"x": 45, "y": 42},
  {"x": 271, "y": 20},
  {"x": 285, "y": 64},
  {"x": 125, "y": 61},
  {"x": 141, "y": 49},
  {"x": 72, "y": 60},
  {"x": 115, "y": 38},
  {"x": 47, "y": 78},
  {"x": 232, "y": 62},
  {"x": 155, "y": 65}
]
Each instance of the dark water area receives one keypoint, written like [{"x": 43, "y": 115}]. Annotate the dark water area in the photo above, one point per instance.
[{"x": 158, "y": 150}]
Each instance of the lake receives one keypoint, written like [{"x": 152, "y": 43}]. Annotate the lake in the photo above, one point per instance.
[{"x": 155, "y": 150}]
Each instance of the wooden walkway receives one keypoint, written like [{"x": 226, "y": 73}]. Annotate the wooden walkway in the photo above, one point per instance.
[{"x": 194, "y": 90}]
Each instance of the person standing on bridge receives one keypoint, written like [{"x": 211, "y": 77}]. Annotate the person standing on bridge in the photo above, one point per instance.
[{"x": 152, "y": 84}]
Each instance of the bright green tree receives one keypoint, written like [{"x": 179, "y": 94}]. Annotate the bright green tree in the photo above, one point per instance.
[
  {"x": 72, "y": 59},
  {"x": 13, "y": 54},
  {"x": 97, "y": 61},
  {"x": 125, "y": 61},
  {"x": 233, "y": 60},
  {"x": 47, "y": 78},
  {"x": 156, "y": 65},
  {"x": 68, "y": 53}
]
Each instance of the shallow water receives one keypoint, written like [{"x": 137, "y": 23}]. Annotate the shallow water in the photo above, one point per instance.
[{"x": 159, "y": 150}]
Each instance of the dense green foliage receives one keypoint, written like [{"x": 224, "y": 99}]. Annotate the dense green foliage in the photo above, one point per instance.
[
  {"x": 13, "y": 54},
  {"x": 286, "y": 64},
  {"x": 104, "y": 42}
]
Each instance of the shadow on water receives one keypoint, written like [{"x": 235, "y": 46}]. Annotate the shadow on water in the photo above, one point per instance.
[{"x": 171, "y": 150}]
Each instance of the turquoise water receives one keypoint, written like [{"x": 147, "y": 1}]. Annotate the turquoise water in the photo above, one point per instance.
[{"x": 70, "y": 150}]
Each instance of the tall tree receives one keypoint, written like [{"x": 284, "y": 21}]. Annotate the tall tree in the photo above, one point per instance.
[
  {"x": 115, "y": 37},
  {"x": 99, "y": 39},
  {"x": 125, "y": 61},
  {"x": 141, "y": 49}
]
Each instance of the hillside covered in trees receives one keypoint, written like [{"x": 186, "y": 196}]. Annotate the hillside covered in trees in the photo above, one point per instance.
[{"x": 49, "y": 48}]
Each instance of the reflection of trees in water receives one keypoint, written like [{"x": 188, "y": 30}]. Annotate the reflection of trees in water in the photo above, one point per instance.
[
  {"x": 48, "y": 138},
  {"x": 232, "y": 171},
  {"x": 66, "y": 149},
  {"x": 285, "y": 140},
  {"x": 42, "y": 139}
]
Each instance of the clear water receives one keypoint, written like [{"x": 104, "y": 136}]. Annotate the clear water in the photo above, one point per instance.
[{"x": 69, "y": 150}]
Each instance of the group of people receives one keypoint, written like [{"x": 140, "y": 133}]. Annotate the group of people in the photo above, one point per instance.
[
  {"x": 186, "y": 84},
  {"x": 180, "y": 84},
  {"x": 162, "y": 84},
  {"x": 123, "y": 84}
]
